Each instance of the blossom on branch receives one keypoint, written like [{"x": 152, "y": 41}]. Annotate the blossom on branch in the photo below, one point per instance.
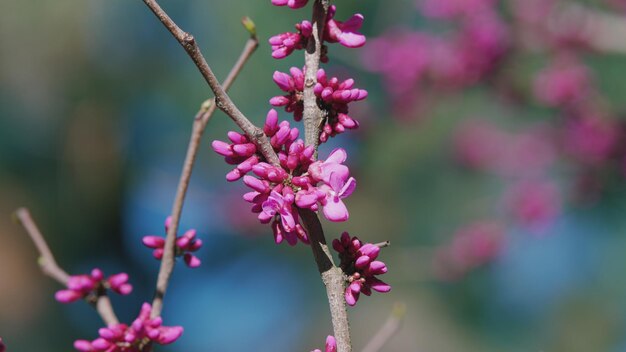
[
  {"x": 82, "y": 286},
  {"x": 358, "y": 261},
  {"x": 294, "y": 4},
  {"x": 124, "y": 338},
  {"x": 185, "y": 245}
]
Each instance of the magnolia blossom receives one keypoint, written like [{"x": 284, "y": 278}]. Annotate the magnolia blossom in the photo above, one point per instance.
[
  {"x": 358, "y": 261},
  {"x": 185, "y": 245},
  {"x": 331, "y": 345},
  {"x": 81, "y": 286},
  {"x": 133, "y": 338}
]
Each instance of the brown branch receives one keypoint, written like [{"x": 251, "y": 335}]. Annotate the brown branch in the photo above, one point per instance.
[
  {"x": 390, "y": 328},
  {"x": 222, "y": 100},
  {"x": 50, "y": 267},
  {"x": 333, "y": 278},
  {"x": 312, "y": 114},
  {"x": 199, "y": 125}
]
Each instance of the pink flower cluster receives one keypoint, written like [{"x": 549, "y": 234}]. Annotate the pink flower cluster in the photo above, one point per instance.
[
  {"x": 414, "y": 62},
  {"x": 333, "y": 96},
  {"x": 123, "y": 338},
  {"x": 82, "y": 286},
  {"x": 472, "y": 246},
  {"x": 345, "y": 33},
  {"x": 185, "y": 245},
  {"x": 331, "y": 345},
  {"x": 534, "y": 203},
  {"x": 358, "y": 261}
]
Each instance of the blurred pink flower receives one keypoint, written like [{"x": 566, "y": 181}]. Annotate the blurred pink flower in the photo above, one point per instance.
[
  {"x": 590, "y": 138},
  {"x": 534, "y": 203},
  {"x": 294, "y": 4},
  {"x": 472, "y": 246},
  {"x": 563, "y": 83}
]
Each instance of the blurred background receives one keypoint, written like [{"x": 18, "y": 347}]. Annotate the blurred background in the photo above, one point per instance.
[{"x": 490, "y": 153}]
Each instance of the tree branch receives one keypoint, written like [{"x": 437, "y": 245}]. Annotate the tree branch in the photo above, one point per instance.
[
  {"x": 222, "y": 100},
  {"x": 312, "y": 114},
  {"x": 50, "y": 267},
  {"x": 199, "y": 125},
  {"x": 333, "y": 278}
]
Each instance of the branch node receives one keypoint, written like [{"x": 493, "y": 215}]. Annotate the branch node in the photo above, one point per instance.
[{"x": 189, "y": 39}]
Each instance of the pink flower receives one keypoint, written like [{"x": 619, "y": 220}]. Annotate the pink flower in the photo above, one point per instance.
[
  {"x": 133, "y": 338},
  {"x": 590, "y": 138},
  {"x": 185, "y": 245},
  {"x": 337, "y": 189},
  {"x": 359, "y": 263},
  {"x": 333, "y": 96},
  {"x": 92, "y": 285},
  {"x": 534, "y": 203},
  {"x": 276, "y": 204},
  {"x": 294, "y": 86},
  {"x": 472, "y": 246},
  {"x": 3, "y": 348},
  {"x": 345, "y": 33},
  {"x": 449, "y": 9},
  {"x": 294, "y": 4},
  {"x": 563, "y": 83},
  {"x": 331, "y": 345},
  {"x": 285, "y": 43}
]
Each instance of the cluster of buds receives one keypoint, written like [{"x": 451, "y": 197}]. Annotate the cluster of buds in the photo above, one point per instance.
[
  {"x": 358, "y": 261},
  {"x": 134, "y": 338},
  {"x": 345, "y": 33},
  {"x": 331, "y": 345},
  {"x": 185, "y": 245},
  {"x": 93, "y": 285},
  {"x": 333, "y": 97}
]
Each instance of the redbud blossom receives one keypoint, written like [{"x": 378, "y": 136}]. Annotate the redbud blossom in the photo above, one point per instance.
[
  {"x": 331, "y": 345},
  {"x": 285, "y": 43},
  {"x": 82, "y": 286},
  {"x": 345, "y": 33},
  {"x": 294, "y": 4},
  {"x": 133, "y": 338},
  {"x": 333, "y": 97},
  {"x": 358, "y": 261},
  {"x": 185, "y": 244}
]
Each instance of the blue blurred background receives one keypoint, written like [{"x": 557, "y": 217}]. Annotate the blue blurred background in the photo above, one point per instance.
[{"x": 96, "y": 104}]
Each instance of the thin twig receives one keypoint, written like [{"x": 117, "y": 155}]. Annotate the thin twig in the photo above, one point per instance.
[
  {"x": 332, "y": 276},
  {"x": 390, "y": 328},
  {"x": 199, "y": 125},
  {"x": 222, "y": 100},
  {"x": 50, "y": 267}
]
